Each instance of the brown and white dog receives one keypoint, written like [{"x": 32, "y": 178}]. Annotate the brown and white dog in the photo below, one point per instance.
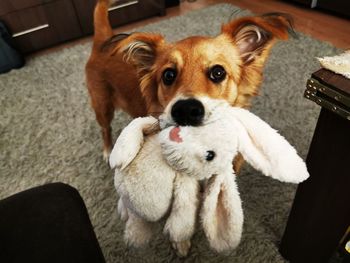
[{"x": 142, "y": 74}]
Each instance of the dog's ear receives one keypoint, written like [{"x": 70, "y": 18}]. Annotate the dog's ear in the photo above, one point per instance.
[
  {"x": 255, "y": 35},
  {"x": 140, "y": 50},
  {"x": 222, "y": 214}
]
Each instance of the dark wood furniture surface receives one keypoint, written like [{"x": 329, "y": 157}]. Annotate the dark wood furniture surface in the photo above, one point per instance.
[
  {"x": 331, "y": 91},
  {"x": 338, "y": 6},
  {"x": 320, "y": 213},
  {"x": 36, "y": 24},
  {"x": 305, "y": 2},
  {"x": 341, "y": 7},
  {"x": 124, "y": 11}
]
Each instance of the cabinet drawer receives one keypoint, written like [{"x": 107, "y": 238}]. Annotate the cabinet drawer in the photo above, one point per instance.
[
  {"x": 42, "y": 26},
  {"x": 8, "y": 6},
  {"x": 122, "y": 12}
]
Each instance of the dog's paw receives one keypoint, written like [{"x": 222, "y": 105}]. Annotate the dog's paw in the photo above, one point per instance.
[
  {"x": 106, "y": 153},
  {"x": 122, "y": 211},
  {"x": 182, "y": 248}
]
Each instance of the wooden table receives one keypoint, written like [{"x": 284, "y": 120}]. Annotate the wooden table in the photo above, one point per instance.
[{"x": 320, "y": 213}]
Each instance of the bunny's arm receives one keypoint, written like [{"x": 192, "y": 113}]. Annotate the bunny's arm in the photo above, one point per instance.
[
  {"x": 266, "y": 150},
  {"x": 130, "y": 141}
]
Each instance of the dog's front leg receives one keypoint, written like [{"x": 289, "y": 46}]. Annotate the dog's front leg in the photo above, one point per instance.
[
  {"x": 122, "y": 210},
  {"x": 181, "y": 222}
]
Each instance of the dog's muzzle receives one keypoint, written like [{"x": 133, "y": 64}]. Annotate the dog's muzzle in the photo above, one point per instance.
[{"x": 188, "y": 112}]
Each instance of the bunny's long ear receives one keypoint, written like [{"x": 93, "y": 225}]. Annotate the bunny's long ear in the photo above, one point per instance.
[
  {"x": 266, "y": 150},
  {"x": 222, "y": 214},
  {"x": 130, "y": 141}
]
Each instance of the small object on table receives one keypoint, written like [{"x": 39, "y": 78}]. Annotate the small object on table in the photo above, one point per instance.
[{"x": 339, "y": 64}]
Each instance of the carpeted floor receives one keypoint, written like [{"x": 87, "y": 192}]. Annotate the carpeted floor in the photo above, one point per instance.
[{"x": 48, "y": 133}]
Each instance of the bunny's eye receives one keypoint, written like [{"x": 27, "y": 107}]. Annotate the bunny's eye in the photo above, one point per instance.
[{"x": 210, "y": 156}]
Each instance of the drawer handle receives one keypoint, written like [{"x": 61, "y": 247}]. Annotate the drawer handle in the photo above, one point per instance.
[
  {"x": 123, "y": 5},
  {"x": 313, "y": 3},
  {"x": 30, "y": 30}
]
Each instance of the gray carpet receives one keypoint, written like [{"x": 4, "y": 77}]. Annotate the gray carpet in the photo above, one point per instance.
[{"x": 48, "y": 133}]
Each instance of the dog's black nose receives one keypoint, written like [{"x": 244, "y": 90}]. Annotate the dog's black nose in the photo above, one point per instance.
[{"x": 188, "y": 112}]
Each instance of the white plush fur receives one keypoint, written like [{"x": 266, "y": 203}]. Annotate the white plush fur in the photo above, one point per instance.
[
  {"x": 268, "y": 151},
  {"x": 130, "y": 142},
  {"x": 157, "y": 177},
  {"x": 181, "y": 222},
  {"x": 137, "y": 230},
  {"x": 222, "y": 214},
  {"x": 146, "y": 184}
]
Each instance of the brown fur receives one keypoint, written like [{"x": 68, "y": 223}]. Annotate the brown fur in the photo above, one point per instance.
[{"x": 124, "y": 72}]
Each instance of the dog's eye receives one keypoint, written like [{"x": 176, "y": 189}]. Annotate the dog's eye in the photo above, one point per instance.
[
  {"x": 217, "y": 74},
  {"x": 210, "y": 156},
  {"x": 169, "y": 76}
]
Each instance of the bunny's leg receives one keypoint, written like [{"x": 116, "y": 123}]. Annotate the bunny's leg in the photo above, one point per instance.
[
  {"x": 180, "y": 224},
  {"x": 138, "y": 231},
  {"x": 222, "y": 214}
]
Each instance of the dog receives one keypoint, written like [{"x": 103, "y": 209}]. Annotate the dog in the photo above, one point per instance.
[{"x": 142, "y": 74}]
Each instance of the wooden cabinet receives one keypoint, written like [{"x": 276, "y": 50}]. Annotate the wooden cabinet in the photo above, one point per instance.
[
  {"x": 308, "y": 3},
  {"x": 41, "y": 26},
  {"x": 8, "y": 6},
  {"x": 36, "y": 24},
  {"x": 121, "y": 12},
  {"x": 339, "y": 6}
]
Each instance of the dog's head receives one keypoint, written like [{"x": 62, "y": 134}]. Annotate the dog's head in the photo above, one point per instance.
[{"x": 174, "y": 76}]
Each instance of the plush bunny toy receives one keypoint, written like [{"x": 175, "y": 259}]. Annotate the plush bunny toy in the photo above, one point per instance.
[{"x": 159, "y": 175}]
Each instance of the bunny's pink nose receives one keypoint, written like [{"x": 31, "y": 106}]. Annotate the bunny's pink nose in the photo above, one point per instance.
[{"x": 174, "y": 134}]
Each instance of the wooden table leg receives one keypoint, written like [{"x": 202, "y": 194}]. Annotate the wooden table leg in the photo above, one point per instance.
[{"x": 320, "y": 213}]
